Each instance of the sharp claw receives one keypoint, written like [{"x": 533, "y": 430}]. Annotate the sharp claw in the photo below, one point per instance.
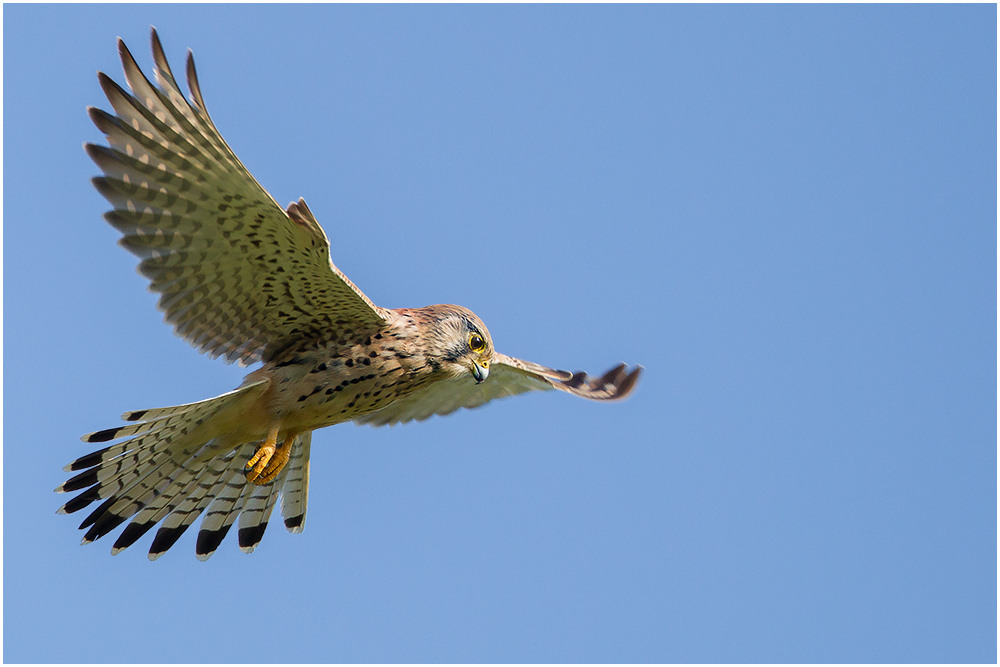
[
  {"x": 258, "y": 463},
  {"x": 264, "y": 466}
]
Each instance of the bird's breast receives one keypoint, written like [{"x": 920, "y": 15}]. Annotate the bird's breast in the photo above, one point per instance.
[{"x": 324, "y": 387}]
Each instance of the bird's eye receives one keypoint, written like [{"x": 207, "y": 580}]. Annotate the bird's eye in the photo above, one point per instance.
[{"x": 476, "y": 343}]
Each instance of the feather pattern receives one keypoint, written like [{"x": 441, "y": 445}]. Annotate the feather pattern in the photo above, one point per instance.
[
  {"x": 508, "y": 377},
  {"x": 295, "y": 492},
  {"x": 256, "y": 512},
  {"x": 224, "y": 509},
  {"x": 171, "y": 470},
  {"x": 241, "y": 278},
  {"x": 183, "y": 483},
  {"x": 211, "y": 240}
]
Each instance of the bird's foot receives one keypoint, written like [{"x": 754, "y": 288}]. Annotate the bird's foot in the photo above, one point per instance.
[{"x": 269, "y": 459}]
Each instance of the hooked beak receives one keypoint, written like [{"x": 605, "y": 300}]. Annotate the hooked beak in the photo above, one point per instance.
[{"x": 480, "y": 371}]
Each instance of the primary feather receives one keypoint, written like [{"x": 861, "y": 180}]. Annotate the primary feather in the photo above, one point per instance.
[{"x": 241, "y": 278}]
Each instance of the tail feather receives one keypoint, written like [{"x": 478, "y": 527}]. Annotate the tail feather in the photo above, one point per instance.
[
  {"x": 159, "y": 413},
  {"x": 143, "y": 521},
  {"x": 133, "y": 490},
  {"x": 171, "y": 469},
  {"x": 146, "y": 485},
  {"x": 181, "y": 483},
  {"x": 194, "y": 503},
  {"x": 154, "y": 419},
  {"x": 132, "y": 487},
  {"x": 96, "y": 514},
  {"x": 109, "y": 434},
  {"x": 190, "y": 482},
  {"x": 179, "y": 520},
  {"x": 118, "y": 467},
  {"x": 210, "y": 538},
  {"x": 185, "y": 483},
  {"x": 160, "y": 425},
  {"x": 112, "y": 474},
  {"x": 117, "y": 457},
  {"x": 145, "y": 490},
  {"x": 154, "y": 414},
  {"x": 223, "y": 510},
  {"x": 88, "y": 461},
  {"x": 295, "y": 492},
  {"x": 102, "y": 524},
  {"x": 254, "y": 518}
]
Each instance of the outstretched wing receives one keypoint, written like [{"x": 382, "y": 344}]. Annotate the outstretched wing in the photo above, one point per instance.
[
  {"x": 239, "y": 276},
  {"x": 508, "y": 377}
]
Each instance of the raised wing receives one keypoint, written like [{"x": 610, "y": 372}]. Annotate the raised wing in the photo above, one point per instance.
[
  {"x": 508, "y": 377},
  {"x": 239, "y": 276}
]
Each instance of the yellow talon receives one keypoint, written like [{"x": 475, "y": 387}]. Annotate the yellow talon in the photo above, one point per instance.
[{"x": 268, "y": 460}]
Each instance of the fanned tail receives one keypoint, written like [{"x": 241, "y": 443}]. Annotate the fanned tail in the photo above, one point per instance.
[{"x": 172, "y": 467}]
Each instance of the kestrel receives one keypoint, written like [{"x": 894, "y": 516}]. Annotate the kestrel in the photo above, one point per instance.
[{"x": 242, "y": 278}]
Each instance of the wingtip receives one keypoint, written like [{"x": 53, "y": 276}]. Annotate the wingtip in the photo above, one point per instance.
[
  {"x": 97, "y": 115},
  {"x": 159, "y": 55},
  {"x": 192, "y": 81},
  {"x": 628, "y": 383},
  {"x": 106, "y": 81},
  {"x": 154, "y": 38},
  {"x": 123, "y": 54}
]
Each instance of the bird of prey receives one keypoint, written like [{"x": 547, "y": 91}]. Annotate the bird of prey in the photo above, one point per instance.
[{"x": 242, "y": 278}]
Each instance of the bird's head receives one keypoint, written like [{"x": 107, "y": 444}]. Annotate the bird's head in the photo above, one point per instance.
[{"x": 459, "y": 340}]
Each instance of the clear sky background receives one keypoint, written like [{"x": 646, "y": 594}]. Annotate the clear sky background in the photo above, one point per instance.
[{"x": 787, "y": 214}]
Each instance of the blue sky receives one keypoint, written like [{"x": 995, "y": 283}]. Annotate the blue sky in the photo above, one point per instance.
[{"x": 787, "y": 214}]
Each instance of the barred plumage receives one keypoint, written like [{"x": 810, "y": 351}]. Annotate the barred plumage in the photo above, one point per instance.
[{"x": 241, "y": 278}]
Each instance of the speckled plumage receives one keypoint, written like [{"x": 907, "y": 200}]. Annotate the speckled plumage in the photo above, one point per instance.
[{"x": 242, "y": 278}]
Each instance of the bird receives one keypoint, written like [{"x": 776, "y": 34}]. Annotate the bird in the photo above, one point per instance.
[{"x": 240, "y": 277}]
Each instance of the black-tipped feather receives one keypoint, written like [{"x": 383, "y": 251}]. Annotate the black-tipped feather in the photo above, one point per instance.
[
  {"x": 132, "y": 532},
  {"x": 104, "y": 436},
  {"x": 251, "y": 537},
  {"x": 88, "y": 461},
  {"x": 104, "y": 524},
  {"x": 81, "y": 481},
  {"x": 209, "y": 541},
  {"x": 166, "y": 538},
  {"x": 81, "y": 501},
  {"x": 195, "y": 217}
]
